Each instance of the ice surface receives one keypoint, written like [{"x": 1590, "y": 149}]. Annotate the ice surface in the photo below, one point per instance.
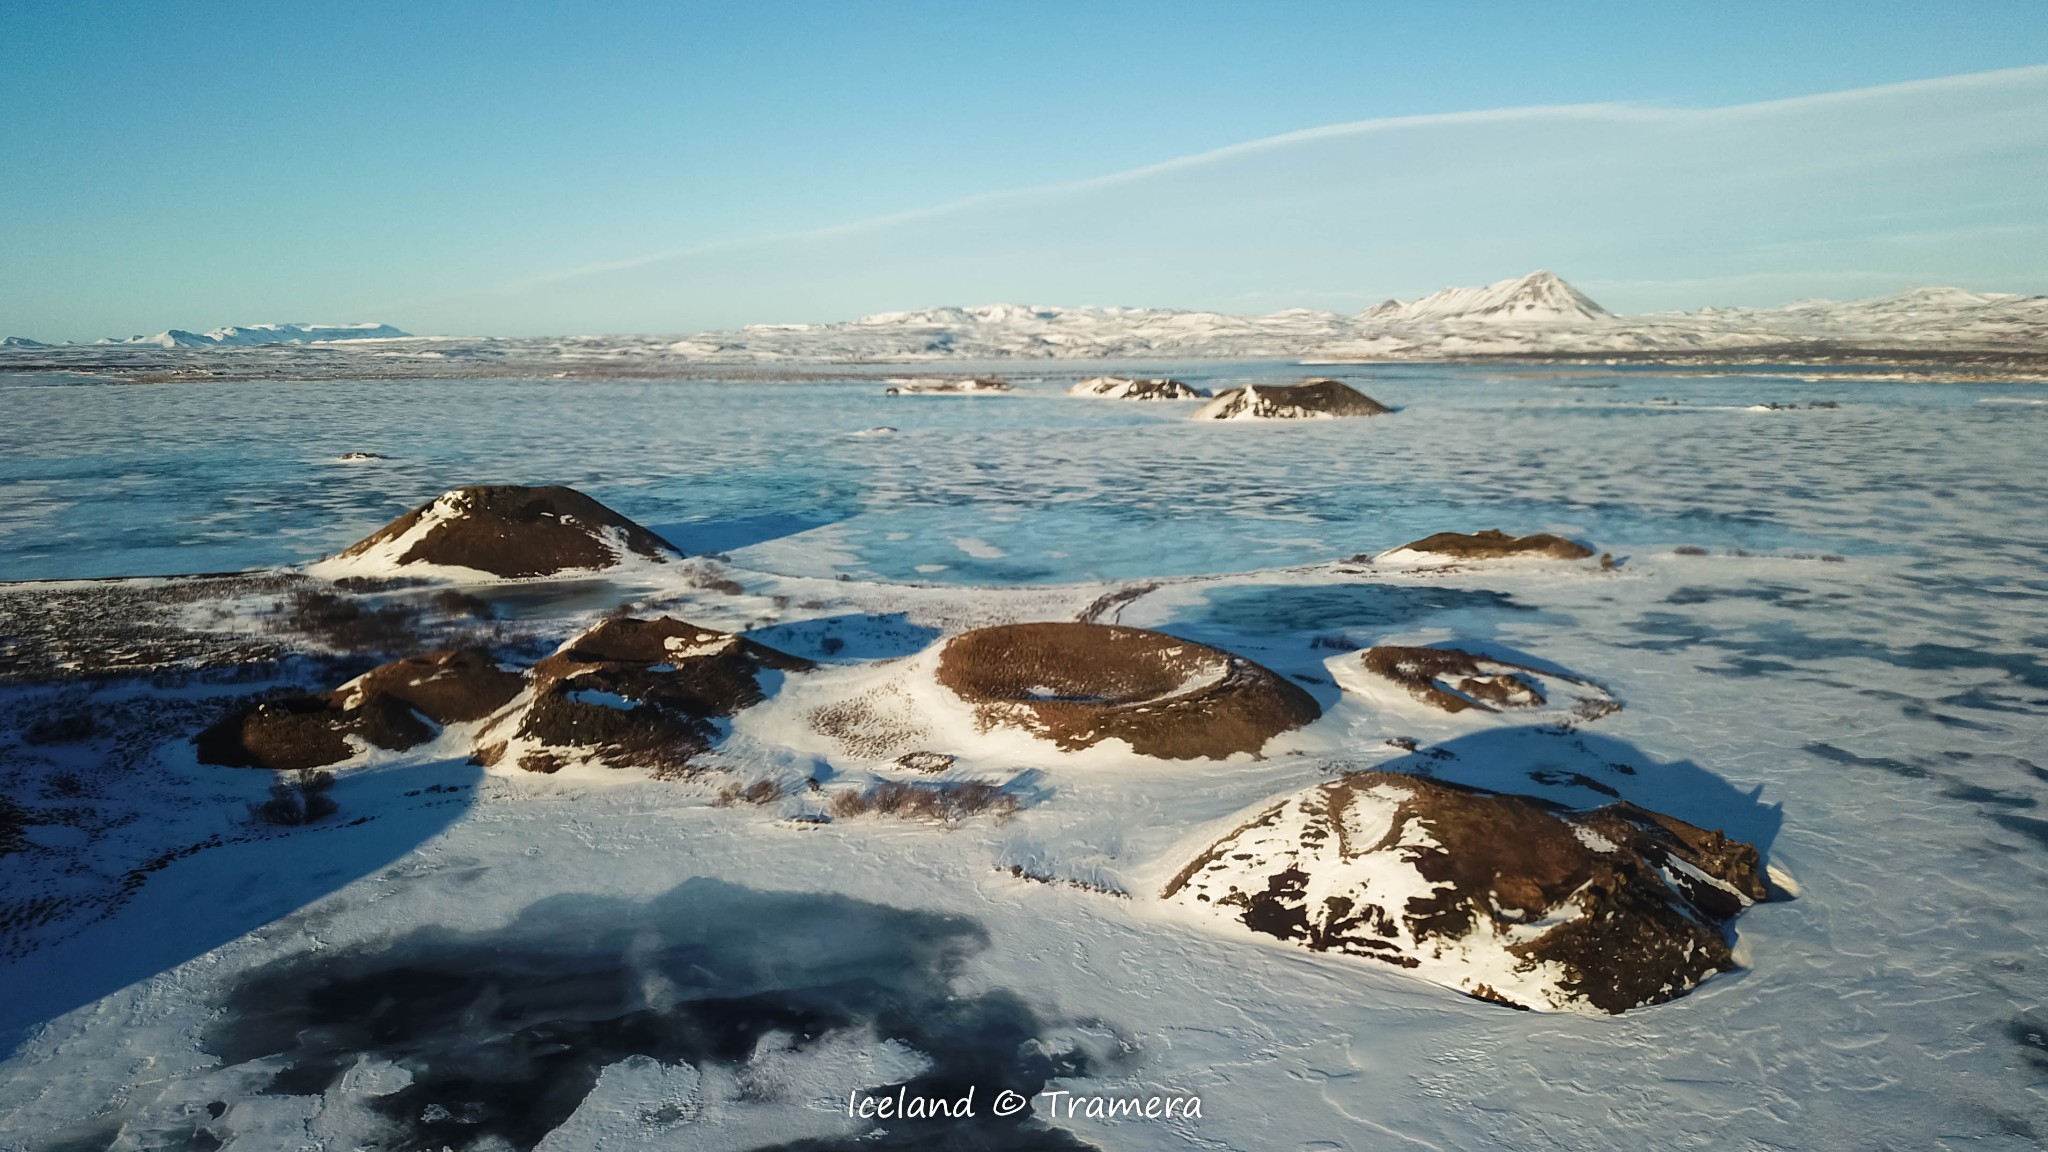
[{"x": 1873, "y": 724}]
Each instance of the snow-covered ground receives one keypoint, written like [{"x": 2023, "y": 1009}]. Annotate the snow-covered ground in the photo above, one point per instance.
[{"x": 1843, "y": 666}]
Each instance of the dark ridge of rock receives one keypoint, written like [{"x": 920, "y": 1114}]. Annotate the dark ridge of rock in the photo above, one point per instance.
[
  {"x": 508, "y": 531},
  {"x": 1493, "y": 544},
  {"x": 1309, "y": 399},
  {"x": 1129, "y": 388},
  {"x": 445, "y": 687},
  {"x": 630, "y": 691},
  {"x": 1507, "y": 898},
  {"x": 1079, "y": 684},
  {"x": 1455, "y": 680}
]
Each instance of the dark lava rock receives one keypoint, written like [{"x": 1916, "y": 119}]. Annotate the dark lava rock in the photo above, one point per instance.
[
  {"x": 1308, "y": 400},
  {"x": 633, "y": 692},
  {"x": 1138, "y": 388},
  {"x": 1079, "y": 684},
  {"x": 1493, "y": 544},
  {"x": 506, "y": 531},
  {"x": 1506, "y": 898}
]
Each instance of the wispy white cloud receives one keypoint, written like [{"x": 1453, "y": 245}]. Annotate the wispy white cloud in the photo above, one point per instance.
[{"x": 1786, "y": 195}]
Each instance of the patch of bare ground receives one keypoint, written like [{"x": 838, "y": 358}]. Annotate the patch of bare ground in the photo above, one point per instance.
[
  {"x": 102, "y": 628},
  {"x": 1020, "y": 872},
  {"x": 514, "y": 531},
  {"x": 1493, "y": 544},
  {"x": 1079, "y": 684},
  {"x": 947, "y": 803},
  {"x": 870, "y": 724},
  {"x": 635, "y": 692}
]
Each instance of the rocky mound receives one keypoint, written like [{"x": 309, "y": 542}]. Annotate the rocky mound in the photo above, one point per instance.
[
  {"x": 1126, "y": 388},
  {"x": 1493, "y": 544},
  {"x": 394, "y": 706},
  {"x": 1454, "y": 681},
  {"x": 1080, "y": 684},
  {"x": 1502, "y": 897},
  {"x": 1309, "y": 400},
  {"x": 502, "y": 531},
  {"x": 631, "y": 692}
]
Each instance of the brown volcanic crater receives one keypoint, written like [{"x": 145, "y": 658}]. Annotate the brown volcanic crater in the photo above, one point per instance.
[
  {"x": 1493, "y": 544},
  {"x": 632, "y": 691},
  {"x": 514, "y": 531},
  {"x": 394, "y": 706},
  {"x": 1079, "y": 684}
]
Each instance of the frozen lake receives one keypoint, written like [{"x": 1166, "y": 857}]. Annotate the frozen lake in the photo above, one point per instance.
[
  {"x": 1847, "y": 665},
  {"x": 100, "y": 479}
]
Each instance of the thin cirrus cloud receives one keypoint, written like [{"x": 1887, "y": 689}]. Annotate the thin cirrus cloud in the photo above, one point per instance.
[{"x": 1846, "y": 193}]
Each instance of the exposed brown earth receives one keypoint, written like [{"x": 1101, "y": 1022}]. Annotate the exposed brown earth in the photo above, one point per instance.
[
  {"x": 514, "y": 532},
  {"x": 631, "y": 691},
  {"x": 1639, "y": 898},
  {"x": 1455, "y": 680},
  {"x": 1079, "y": 684},
  {"x": 1493, "y": 544}
]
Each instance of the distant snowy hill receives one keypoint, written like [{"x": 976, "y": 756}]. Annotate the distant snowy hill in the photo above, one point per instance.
[
  {"x": 1539, "y": 313},
  {"x": 1540, "y": 297},
  {"x": 254, "y": 334}
]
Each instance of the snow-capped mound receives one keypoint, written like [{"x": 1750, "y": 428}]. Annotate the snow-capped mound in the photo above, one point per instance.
[
  {"x": 1487, "y": 544},
  {"x": 1540, "y": 297},
  {"x": 1455, "y": 681},
  {"x": 1310, "y": 400},
  {"x": 1127, "y": 388},
  {"x": 501, "y": 532},
  {"x": 1502, "y": 897},
  {"x": 21, "y": 342},
  {"x": 1077, "y": 685},
  {"x": 631, "y": 693}
]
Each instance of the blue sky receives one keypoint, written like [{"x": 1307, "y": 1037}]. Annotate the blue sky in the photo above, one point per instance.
[{"x": 527, "y": 168}]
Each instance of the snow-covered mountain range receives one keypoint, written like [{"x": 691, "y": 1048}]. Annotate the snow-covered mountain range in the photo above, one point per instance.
[
  {"x": 1535, "y": 314},
  {"x": 1538, "y": 315}
]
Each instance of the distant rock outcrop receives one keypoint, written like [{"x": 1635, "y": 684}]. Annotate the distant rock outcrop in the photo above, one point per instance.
[
  {"x": 1505, "y": 898},
  {"x": 1493, "y": 544},
  {"x": 1128, "y": 388},
  {"x": 1080, "y": 684},
  {"x": 630, "y": 692},
  {"x": 506, "y": 532},
  {"x": 1309, "y": 400},
  {"x": 911, "y": 386}
]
